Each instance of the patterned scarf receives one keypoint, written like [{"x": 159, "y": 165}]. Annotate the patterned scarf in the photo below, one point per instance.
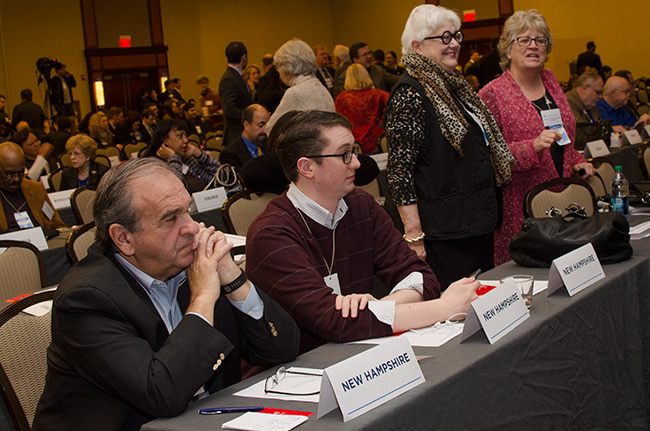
[{"x": 439, "y": 86}]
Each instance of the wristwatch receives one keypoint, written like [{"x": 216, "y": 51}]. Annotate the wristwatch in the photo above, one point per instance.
[{"x": 236, "y": 284}]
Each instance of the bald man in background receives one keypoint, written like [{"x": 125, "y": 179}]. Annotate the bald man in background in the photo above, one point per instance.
[{"x": 612, "y": 105}]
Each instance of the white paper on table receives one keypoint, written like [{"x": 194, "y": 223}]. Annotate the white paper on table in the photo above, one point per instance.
[
  {"x": 640, "y": 231},
  {"x": 431, "y": 336},
  {"x": 263, "y": 421},
  {"x": 40, "y": 309},
  {"x": 298, "y": 383},
  {"x": 538, "y": 285}
]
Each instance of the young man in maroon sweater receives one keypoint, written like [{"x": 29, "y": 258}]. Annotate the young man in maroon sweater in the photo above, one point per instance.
[{"x": 316, "y": 248}]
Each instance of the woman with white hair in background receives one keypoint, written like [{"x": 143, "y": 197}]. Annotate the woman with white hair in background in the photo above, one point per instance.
[
  {"x": 446, "y": 155},
  {"x": 528, "y": 104},
  {"x": 296, "y": 64}
]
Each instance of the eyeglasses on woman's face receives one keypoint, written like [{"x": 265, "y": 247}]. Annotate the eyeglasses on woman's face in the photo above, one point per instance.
[
  {"x": 525, "y": 41},
  {"x": 448, "y": 36}
]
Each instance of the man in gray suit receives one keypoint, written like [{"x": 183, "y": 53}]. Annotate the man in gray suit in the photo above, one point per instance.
[
  {"x": 234, "y": 91},
  {"x": 361, "y": 54},
  {"x": 155, "y": 315}
]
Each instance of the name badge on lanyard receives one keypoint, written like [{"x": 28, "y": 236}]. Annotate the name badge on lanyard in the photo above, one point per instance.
[
  {"x": 552, "y": 119},
  {"x": 332, "y": 281},
  {"x": 23, "y": 220}
]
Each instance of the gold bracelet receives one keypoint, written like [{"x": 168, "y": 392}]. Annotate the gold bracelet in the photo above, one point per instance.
[{"x": 412, "y": 240}]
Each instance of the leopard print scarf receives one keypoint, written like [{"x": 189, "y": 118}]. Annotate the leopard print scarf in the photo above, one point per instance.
[{"x": 438, "y": 86}]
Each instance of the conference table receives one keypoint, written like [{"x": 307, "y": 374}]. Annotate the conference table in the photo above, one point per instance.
[{"x": 580, "y": 362}]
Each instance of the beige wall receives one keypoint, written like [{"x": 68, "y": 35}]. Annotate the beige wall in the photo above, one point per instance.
[{"x": 197, "y": 32}]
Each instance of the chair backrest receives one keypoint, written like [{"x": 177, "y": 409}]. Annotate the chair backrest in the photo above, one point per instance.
[
  {"x": 383, "y": 144},
  {"x": 135, "y": 147},
  {"x": 643, "y": 108},
  {"x": 241, "y": 209},
  {"x": 597, "y": 185},
  {"x": 64, "y": 160},
  {"x": 215, "y": 142},
  {"x": 644, "y": 159},
  {"x": 54, "y": 179},
  {"x": 642, "y": 95},
  {"x": 23, "y": 358},
  {"x": 109, "y": 152},
  {"x": 212, "y": 152},
  {"x": 372, "y": 188},
  {"x": 76, "y": 246},
  {"x": 99, "y": 158},
  {"x": 82, "y": 201},
  {"x": 605, "y": 169},
  {"x": 22, "y": 269},
  {"x": 540, "y": 199}
]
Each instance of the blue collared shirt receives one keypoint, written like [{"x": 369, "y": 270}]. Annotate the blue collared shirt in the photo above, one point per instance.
[
  {"x": 163, "y": 295},
  {"x": 252, "y": 148},
  {"x": 619, "y": 117}
]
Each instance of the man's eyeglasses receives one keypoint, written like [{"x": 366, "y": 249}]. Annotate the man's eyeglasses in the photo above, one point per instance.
[
  {"x": 8, "y": 175},
  {"x": 525, "y": 41},
  {"x": 279, "y": 375},
  {"x": 598, "y": 92},
  {"x": 447, "y": 36},
  {"x": 347, "y": 156}
]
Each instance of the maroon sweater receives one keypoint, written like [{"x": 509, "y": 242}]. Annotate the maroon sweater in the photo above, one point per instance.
[{"x": 286, "y": 261}]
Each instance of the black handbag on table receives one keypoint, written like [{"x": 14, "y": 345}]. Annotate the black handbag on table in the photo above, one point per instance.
[{"x": 543, "y": 239}]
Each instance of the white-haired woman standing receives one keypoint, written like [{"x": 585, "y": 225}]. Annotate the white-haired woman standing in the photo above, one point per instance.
[
  {"x": 446, "y": 154},
  {"x": 527, "y": 102},
  {"x": 296, "y": 64}
]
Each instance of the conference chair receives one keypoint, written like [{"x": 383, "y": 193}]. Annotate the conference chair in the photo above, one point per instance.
[
  {"x": 99, "y": 158},
  {"x": 215, "y": 142},
  {"x": 240, "y": 210},
  {"x": 605, "y": 169},
  {"x": 540, "y": 200},
  {"x": 213, "y": 152},
  {"x": 643, "y": 108},
  {"x": 54, "y": 179},
  {"x": 195, "y": 140},
  {"x": 383, "y": 144},
  {"x": 598, "y": 185},
  {"x": 76, "y": 246},
  {"x": 135, "y": 147},
  {"x": 109, "y": 152},
  {"x": 64, "y": 160},
  {"x": 22, "y": 269},
  {"x": 82, "y": 201},
  {"x": 23, "y": 358}
]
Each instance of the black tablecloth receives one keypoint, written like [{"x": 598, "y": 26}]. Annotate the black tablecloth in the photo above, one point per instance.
[{"x": 579, "y": 362}]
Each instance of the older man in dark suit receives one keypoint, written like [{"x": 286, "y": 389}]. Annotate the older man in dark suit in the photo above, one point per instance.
[
  {"x": 234, "y": 91},
  {"x": 155, "y": 315}
]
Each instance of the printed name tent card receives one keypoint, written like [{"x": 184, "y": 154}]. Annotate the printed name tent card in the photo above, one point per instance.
[
  {"x": 33, "y": 235},
  {"x": 369, "y": 379},
  {"x": 576, "y": 270},
  {"x": 498, "y": 312},
  {"x": 61, "y": 199},
  {"x": 208, "y": 199}
]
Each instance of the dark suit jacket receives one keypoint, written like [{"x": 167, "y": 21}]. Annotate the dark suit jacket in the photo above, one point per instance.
[
  {"x": 332, "y": 73},
  {"x": 56, "y": 89},
  {"x": 591, "y": 59},
  {"x": 235, "y": 97},
  {"x": 236, "y": 154},
  {"x": 270, "y": 90},
  {"x": 339, "y": 78},
  {"x": 69, "y": 178},
  {"x": 112, "y": 365},
  {"x": 145, "y": 133},
  {"x": 30, "y": 112}
]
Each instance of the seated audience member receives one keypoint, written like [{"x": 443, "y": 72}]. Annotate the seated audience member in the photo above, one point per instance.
[
  {"x": 156, "y": 314},
  {"x": 192, "y": 165},
  {"x": 192, "y": 118},
  {"x": 316, "y": 248},
  {"x": 582, "y": 100},
  {"x": 296, "y": 64},
  {"x": 612, "y": 105},
  {"x": 364, "y": 106},
  {"x": 210, "y": 103},
  {"x": 391, "y": 65},
  {"x": 64, "y": 127},
  {"x": 151, "y": 105},
  {"x": 115, "y": 116},
  {"x": 36, "y": 154},
  {"x": 84, "y": 170},
  {"x": 98, "y": 129},
  {"x": 360, "y": 53},
  {"x": 25, "y": 203},
  {"x": 148, "y": 125},
  {"x": 252, "y": 141},
  {"x": 324, "y": 73}
]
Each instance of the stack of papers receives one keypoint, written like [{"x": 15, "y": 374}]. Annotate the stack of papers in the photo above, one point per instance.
[{"x": 640, "y": 231}]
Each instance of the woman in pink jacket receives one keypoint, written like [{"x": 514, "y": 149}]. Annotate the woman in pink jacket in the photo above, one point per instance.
[{"x": 534, "y": 117}]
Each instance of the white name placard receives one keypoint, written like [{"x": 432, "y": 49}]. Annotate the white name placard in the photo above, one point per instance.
[
  {"x": 115, "y": 161},
  {"x": 369, "y": 379},
  {"x": 208, "y": 199},
  {"x": 61, "y": 199},
  {"x": 45, "y": 182},
  {"x": 34, "y": 235},
  {"x": 381, "y": 159},
  {"x": 575, "y": 270},
  {"x": 498, "y": 312},
  {"x": 596, "y": 149},
  {"x": 632, "y": 137},
  {"x": 647, "y": 131}
]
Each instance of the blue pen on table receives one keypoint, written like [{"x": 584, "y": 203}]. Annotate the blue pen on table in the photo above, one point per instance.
[{"x": 220, "y": 410}]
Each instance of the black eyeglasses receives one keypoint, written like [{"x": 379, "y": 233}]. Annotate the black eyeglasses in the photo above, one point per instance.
[
  {"x": 10, "y": 174},
  {"x": 347, "y": 156},
  {"x": 279, "y": 375},
  {"x": 525, "y": 41},
  {"x": 447, "y": 36}
]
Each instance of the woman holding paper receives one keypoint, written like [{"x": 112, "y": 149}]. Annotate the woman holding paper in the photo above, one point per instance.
[{"x": 534, "y": 117}]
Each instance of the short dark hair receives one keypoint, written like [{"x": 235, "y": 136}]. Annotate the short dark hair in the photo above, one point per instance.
[
  {"x": 591, "y": 45},
  {"x": 392, "y": 53},
  {"x": 303, "y": 136},
  {"x": 163, "y": 128},
  {"x": 378, "y": 55},
  {"x": 148, "y": 113},
  {"x": 354, "y": 49},
  {"x": 21, "y": 136},
  {"x": 114, "y": 199},
  {"x": 267, "y": 61},
  {"x": 63, "y": 122},
  {"x": 249, "y": 113},
  {"x": 26, "y": 94},
  {"x": 176, "y": 80},
  {"x": 114, "y": 112},
  {"x": 148, "y": 104},
  {"x": 235, "y": 51}
]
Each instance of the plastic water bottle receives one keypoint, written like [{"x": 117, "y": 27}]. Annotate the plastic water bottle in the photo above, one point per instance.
[{"x": 619, "y": 191}]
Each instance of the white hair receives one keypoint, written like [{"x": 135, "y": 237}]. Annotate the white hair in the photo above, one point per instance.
[
  {"x": 295, "y": 58},
  {"x": 424, "y": 20}
]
